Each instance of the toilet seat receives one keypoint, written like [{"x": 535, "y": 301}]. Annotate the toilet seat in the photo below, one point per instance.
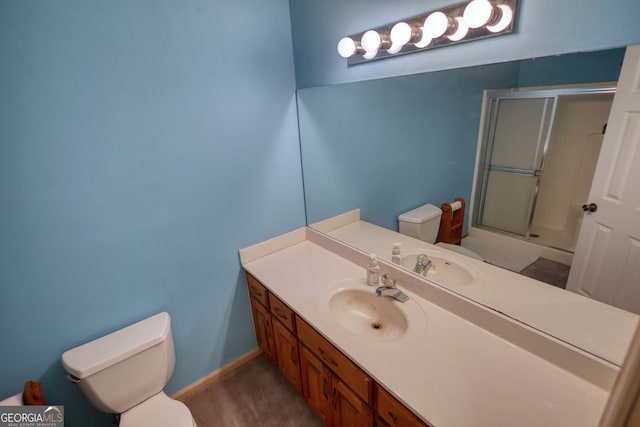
[
  {"x": 460, "y": 250},
  {"x": 158, "y": 411}
]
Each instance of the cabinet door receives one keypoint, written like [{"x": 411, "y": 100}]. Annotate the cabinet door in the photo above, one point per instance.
[
  {"x": 348, "y": 409},
  {"x": 264, "y": 330},
  {"x": 316, "y": 384},
  {"x": 287, "y": 354},
  {"x": 395, "y": 413}
]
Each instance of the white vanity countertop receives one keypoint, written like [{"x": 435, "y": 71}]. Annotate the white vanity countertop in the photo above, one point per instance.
[
  {"x": 451, "y": 372},
  {"x": 588, "y": 324}
]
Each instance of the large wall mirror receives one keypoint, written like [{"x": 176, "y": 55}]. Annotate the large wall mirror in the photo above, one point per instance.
[{"x": 388, "y": 146}]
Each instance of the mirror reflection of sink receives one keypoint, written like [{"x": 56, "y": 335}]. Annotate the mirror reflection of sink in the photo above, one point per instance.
[
  {"x": 367, "y": 315},
  {"x": 442, "y": 271}
]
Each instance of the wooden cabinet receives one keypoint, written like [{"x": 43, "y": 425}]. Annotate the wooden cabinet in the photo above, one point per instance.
[
  {"x": 324, "y": 368},
  {"x": 287, "y": 354},
  {"x": 337, "y": 362},
  {"x": 338, "y": 390},
  {"x": 348, "y": 409},
  {"x": 274, "y": 323},
  {"x": 257, "y": 291},
  {"x": 316, "y": 384},
  {"x": 282, "y": 313},
  {"x": 394, "y": 413},
  {"x": 329, "y": 397},
  {"x": 264, "y": 330}
]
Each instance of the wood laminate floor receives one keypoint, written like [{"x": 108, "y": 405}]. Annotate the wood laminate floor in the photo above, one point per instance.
[{"x": 254, "y": 395}]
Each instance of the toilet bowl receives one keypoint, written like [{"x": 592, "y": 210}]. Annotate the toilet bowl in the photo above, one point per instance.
[
  {"x": 423, "y": 223},
  {"x": 125, "y": 373},
  {"x": 158, "y": 410}
]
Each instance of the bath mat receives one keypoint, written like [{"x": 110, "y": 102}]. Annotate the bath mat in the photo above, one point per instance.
[
  {"x": 497, "y": 255},
  {"x": 548, "y": 271}
]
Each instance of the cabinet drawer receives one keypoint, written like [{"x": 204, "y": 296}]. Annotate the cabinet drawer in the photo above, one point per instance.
[
  {"x": 340, "y": 364},
  {"x": 257, "y": 291},
  {"x": 394, "y": 413},
  {"x": 282, "y": 312}
]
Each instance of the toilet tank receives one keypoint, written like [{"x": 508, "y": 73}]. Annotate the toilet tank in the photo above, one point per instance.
[
  {"x": 422, "y": 223},
  {"x": 126, "y": 367}
]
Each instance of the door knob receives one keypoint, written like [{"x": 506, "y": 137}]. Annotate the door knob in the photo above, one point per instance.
[{"x": 591, "y": 207}]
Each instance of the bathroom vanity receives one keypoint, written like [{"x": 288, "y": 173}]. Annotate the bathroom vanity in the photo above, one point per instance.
[
  {"x": 437, "y": 359},
  {"x": 339, "y": 392}
]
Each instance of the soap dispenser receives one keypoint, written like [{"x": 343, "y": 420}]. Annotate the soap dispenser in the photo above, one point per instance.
[
  {"x": 373, "y": 271},
  {"x": 395, "y": 253}
]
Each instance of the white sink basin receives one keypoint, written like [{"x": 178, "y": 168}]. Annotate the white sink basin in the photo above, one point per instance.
[
  {"x": 443, "y": 271},
  {"x": 365, "y": 314}
]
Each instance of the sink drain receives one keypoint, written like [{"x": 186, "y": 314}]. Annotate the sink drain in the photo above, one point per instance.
[{"x": 376, "y": 325}]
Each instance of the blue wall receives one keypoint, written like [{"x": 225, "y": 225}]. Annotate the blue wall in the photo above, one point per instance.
[
  {"x": 141, "y": 144},
  {"x": 389, "y": 145},
  {"x": 543, "y": 28},
  {"x": 601, "y": 66}
]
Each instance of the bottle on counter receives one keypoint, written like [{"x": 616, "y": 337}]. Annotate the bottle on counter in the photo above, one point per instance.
[
  {"x": 395, "y": 253},
  {"x": 373, "y": 271}
]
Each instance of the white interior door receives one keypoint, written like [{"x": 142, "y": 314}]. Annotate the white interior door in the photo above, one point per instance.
[{"x": 606, "y": 265}]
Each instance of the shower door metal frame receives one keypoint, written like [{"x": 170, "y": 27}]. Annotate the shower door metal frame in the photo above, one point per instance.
[{"x": 491, "y": 105}]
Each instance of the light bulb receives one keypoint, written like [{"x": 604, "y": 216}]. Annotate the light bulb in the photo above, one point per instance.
[
  {"x": 400, "y": 34},
  {"x": 346, "y": 47},
  {"x": 504, "y": 21},
  {"x": 461, "y": 30},
  {"x": 371, "y": 41},
  {"x": 395, "y": 48},
  {"x": 436, "y": 25},
  {"x": 424, "y": 40},
  {"x": 370, "y": 54},
  {"x": 477, "y": 13}
]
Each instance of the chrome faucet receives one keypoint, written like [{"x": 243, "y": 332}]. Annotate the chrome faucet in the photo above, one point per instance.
[
  {"x": 389, "y": 289},
  {"x": 423, "y": 264}
]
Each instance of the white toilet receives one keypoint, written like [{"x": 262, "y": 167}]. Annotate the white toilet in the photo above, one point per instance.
[
  {"x": 423, "y": 223},
  {"x": 124, "y": 373}
]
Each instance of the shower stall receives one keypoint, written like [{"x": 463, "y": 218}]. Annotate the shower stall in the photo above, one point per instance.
[{"x": 537, "y": 156}]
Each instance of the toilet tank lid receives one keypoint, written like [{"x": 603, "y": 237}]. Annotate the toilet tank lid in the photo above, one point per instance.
[
  {"x": 108, "y": 350},
  {"x": 421, "y": 214}
]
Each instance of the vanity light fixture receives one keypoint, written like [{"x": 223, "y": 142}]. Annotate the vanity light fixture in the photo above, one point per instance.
[{"x": 461, "y": 22}]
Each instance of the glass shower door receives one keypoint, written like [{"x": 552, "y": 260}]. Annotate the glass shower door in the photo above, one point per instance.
[{"x": 517, "y": 137}]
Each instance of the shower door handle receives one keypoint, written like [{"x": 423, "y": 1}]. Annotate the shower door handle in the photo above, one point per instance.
[{"x": 591, "y": 207}]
